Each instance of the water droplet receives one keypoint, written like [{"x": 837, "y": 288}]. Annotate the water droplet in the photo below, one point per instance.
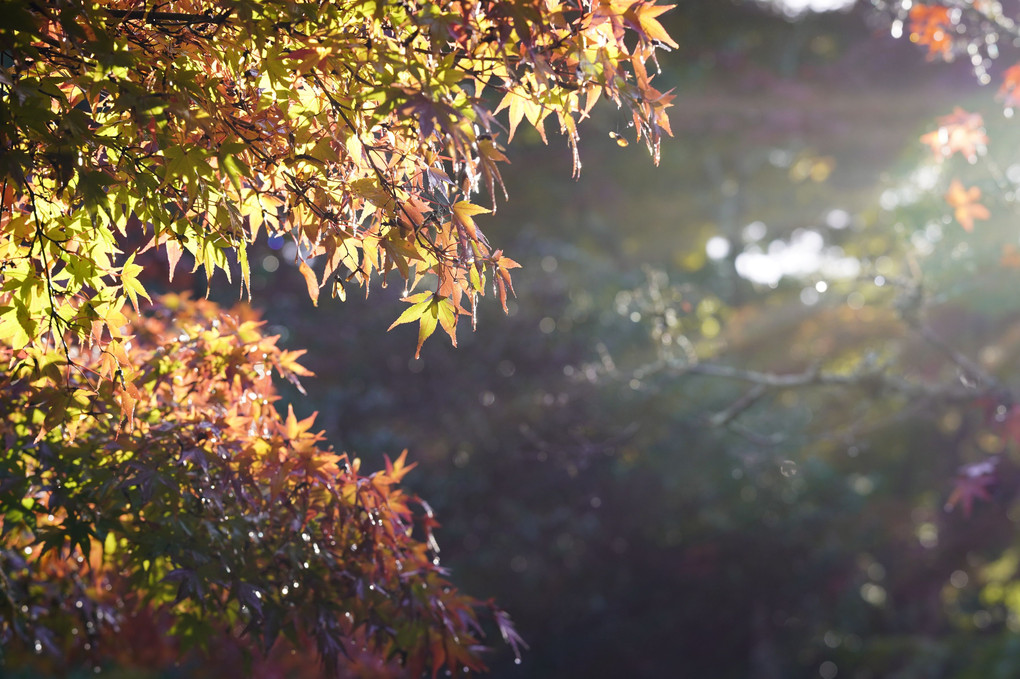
[
  {"x": 788, "y": 468},
  {"x": 517, "y": 661}
]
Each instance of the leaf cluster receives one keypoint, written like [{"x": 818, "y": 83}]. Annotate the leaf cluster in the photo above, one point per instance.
[
  {"x": 360, "y": 131},
  {"x": 210, "y": 508}
]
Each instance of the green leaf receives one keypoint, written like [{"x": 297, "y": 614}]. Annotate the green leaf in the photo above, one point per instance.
[
  {"x": 420, "y": 303},
  {"x": 129, "y": 280}
]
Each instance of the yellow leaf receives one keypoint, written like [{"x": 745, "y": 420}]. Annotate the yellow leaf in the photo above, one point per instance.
[
  {"x": 463, "y": 212},
  {"x": 427, "y": 326},
  {"x": 447, "y": 314},
  {"x": 173, "y": 255},
  {"x": 419, "y": 303},
  {"x": 129, "y": 280}
]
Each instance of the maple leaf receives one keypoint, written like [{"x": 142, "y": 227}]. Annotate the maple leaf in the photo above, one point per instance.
[
  {"x": 521, "y": 103},
  {"x": 1010, "y": 258},
  {"x": 931, "y": 26},
  {"x": 973, "y": 481},
  {"x": 463, "y": 212},
  {"x": 965, "y": 205},
  {"x": 310, "y": 281},
  {"x": 129, "y": 279},
  {"x": 1009, "y": 91},
  {"x": 959, "y": 131},
  {"x": 642, "y": 18},
  {"x": 396, "y": 469},
  {"x": 429, "y": 310}
]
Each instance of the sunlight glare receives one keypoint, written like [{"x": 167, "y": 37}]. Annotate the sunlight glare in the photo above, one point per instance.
[
  {"x": 795, "y": 8},
  {"x": 804, "y": 255}
]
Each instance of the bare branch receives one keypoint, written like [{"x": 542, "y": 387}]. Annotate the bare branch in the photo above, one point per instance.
[{"x": 737, "y": 407}]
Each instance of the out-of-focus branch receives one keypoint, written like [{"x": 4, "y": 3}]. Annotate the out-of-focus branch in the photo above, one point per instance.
[
  {"x": 871, "y": 379},
  {"x": 740, "y": 405},
  {"x": 968, "y": 367}
]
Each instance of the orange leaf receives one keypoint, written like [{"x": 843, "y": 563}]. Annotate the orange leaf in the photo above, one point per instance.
[
  {"x": 644, "y": 15},
  {"x": 1009, "y": 91},
  {"x": 931, "y": 27},
  {"x": 397, "y": 468},
  {"x": 965, "y": 205},
  {"x": 463, "y": 212},
  {"x": 959, "y": 131},
  {"x": 311, "y": 282}
]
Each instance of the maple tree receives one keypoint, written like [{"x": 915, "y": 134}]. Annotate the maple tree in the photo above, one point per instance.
[{"x": 146, "y": 472}]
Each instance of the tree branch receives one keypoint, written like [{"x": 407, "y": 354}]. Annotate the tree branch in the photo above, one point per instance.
[{"x": 178, "y": 18}]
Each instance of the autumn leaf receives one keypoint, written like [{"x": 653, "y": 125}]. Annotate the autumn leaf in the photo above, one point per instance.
[
  {"x": 428, "y": 309},
  {"x": 396, "y": 469},
  {"x": 973, "y": 482},
  {"x": 1009, "y": 90},
  {"x": 427, "y": 325},
  {"x": 642, "y": 16},
  {"x": 1010, "y": 256},
  {"x": 310, "y": 281},
  {"x": 419, "y": 303},
  {"x": 960, "y": 132},
  {"x": 965, "y": 205},
  {"x": 448, "y": 316},
  {"x": 463, "y": 212},
  {"x": 522, "y": 104},
  {"x": 173, "y": 255},
  {"x": 931, "y": 27},
  {"x": 129, "y": 279}
]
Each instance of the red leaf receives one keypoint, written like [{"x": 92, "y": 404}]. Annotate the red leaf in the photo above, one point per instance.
[{"x": 972, "y": 482}]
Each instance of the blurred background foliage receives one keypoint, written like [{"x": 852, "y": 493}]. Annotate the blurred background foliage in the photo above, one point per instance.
[{"x": 640, "y": 520}]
